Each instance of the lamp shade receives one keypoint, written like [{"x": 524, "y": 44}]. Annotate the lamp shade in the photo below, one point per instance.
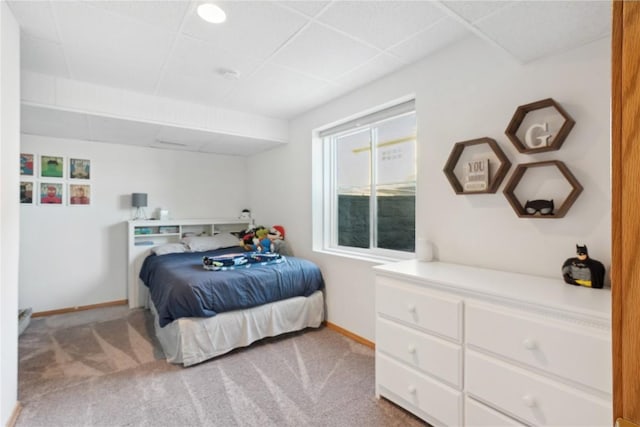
[{"x": 139, "y": 200}]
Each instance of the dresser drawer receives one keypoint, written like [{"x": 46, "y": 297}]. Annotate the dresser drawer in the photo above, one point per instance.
[
  {"x": 478, "y": 415},
  {"x": 530, "y": 397},
  {"x": 417, "y": 307},
  {"x": 577, "y": 352},
  {"x": 412, "y": 390},
  {"x": 432, "y": 355}
]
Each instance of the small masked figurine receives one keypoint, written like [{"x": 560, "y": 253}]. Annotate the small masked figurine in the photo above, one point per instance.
[{"x": 582, "y": 270}]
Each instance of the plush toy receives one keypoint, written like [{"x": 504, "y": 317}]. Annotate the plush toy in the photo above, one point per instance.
[
  {"x": 248, "y": 237},
  {"x": 278, "y": 244},
  {"x": 264, "y": 244},
  {"x": 261, "y": 241},
  {"x": 276, "y": 232},
  {"x": 582, "y": 270}
]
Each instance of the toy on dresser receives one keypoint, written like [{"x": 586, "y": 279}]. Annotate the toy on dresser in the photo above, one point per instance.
[{"x": 582, "y": 270}]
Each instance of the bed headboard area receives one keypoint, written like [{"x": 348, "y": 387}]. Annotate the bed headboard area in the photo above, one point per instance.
[{"x": 146, "y": 235}]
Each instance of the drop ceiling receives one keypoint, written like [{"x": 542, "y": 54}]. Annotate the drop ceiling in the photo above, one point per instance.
[{"x": 289, "y": 56}]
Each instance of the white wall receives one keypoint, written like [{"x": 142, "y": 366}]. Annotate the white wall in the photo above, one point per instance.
[
  {"x": 9, "y": 209},
  {"x": 76, "y": 255},
  {"x": 467, "y": 91}
]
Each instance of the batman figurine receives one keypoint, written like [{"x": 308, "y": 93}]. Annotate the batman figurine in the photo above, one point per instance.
[{"x": 582, "y": 270}]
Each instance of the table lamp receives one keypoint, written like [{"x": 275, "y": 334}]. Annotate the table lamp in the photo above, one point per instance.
[{"x": 139, "y": 201}]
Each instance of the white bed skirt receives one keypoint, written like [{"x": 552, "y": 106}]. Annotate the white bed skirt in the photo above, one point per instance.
[{"x": 191, "y": 340}]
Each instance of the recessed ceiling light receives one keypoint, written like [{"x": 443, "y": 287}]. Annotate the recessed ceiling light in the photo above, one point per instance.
[{"x": 211, "y": 13}]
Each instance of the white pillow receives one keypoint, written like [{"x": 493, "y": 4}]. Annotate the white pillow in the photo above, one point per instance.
[
  {"x": 227, "y": 240},
  {"x": 169, "y": 248},
  {"x": 209, "y": 243}
]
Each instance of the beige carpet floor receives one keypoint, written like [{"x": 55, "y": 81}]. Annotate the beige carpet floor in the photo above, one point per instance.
[{"x": 104, "y": 367}]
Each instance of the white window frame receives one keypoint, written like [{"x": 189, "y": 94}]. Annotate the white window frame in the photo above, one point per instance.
[{"x": 325, "y": 211}]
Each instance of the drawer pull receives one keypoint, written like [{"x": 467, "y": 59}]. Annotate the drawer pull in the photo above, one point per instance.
[
  {"x": 411, "y": 308},
  {"x": 529, "y": 344},
  {"x": 529, "y": 400},
  {"x": 411, "y": 348},
  {"x": 411, "y": 389}
]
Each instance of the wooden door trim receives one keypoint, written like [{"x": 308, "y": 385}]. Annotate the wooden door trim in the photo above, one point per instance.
[
  {"x": 625, "y": 209},
  {"x": 616, "y": 217}
]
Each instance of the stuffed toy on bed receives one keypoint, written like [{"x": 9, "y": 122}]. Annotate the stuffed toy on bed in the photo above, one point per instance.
[
  {"x": 257, "y": 241},
  {"x": 248, "y": 238},
  {"x": 278, "y": 244},
  {"x": 264, "y": 242}
]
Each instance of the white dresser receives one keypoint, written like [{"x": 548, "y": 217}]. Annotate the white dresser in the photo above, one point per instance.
[{"x": 459, "y": 345}]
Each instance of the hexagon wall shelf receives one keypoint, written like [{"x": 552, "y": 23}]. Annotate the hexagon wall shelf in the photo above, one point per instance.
[
  {"x": 516, "y": 177},
  {"x": 538, "y": 137},
  {"x": 495, "y": 179}
]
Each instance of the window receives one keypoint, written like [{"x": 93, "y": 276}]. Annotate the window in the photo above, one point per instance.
[{"x": 369, "y": 171}]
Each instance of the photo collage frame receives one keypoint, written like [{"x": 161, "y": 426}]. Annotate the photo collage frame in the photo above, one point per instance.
[{"x": 52, "y": 180}]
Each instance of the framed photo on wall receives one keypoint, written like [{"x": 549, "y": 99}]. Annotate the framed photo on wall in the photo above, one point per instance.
[
  {"x": 79, "y": 194},
  {"x": 51, "y": 193},
  {"x": 79, "y": 168},
  {"x": 26, "y": 192},
  {"x": 51, "y": 167},
  {"x": 26, "y": 164}
]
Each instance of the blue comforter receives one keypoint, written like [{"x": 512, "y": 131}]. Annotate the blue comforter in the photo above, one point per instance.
[{"x": 181, "y": 287}]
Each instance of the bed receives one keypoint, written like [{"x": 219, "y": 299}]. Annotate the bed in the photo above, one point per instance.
[{"x": 200, "y": 314}]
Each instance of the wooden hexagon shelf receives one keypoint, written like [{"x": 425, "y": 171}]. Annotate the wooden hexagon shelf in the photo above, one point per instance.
[
  {"x": 516, "y": 177},
  {"x": 532, "y": 132},
  {"x": 495, "y": 179}
]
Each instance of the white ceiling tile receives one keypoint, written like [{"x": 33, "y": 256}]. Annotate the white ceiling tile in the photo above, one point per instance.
[
  {"x": 323, "y": 53},
  {"x": 382, "y": 23},
  {"x": 473, "y": 10},
  {"x": 164, "y": 14},
  {"x": 108, "y": 35},
  {"x": 180, "y": 86},
  {"x": 107, "y": 129},
  {"x": 374, "y": 69},
  {"x": 253, "y": 28},
  {"x": 35, "y": 18},
  {"x": 308, "y": 7},
  {"x": 57, "y": 123},
  {"x": 281, "y": 91},
  {"x": 532, "y": 29},
  {"x": 202, "y": 59},
  {"x": 42, "y": 56},
  {"x": 122, "y": 70},
  {"x": 436, "y": 37},
  {"x": 323, "y": 95},
  {"x": 194, "y": 71}
]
